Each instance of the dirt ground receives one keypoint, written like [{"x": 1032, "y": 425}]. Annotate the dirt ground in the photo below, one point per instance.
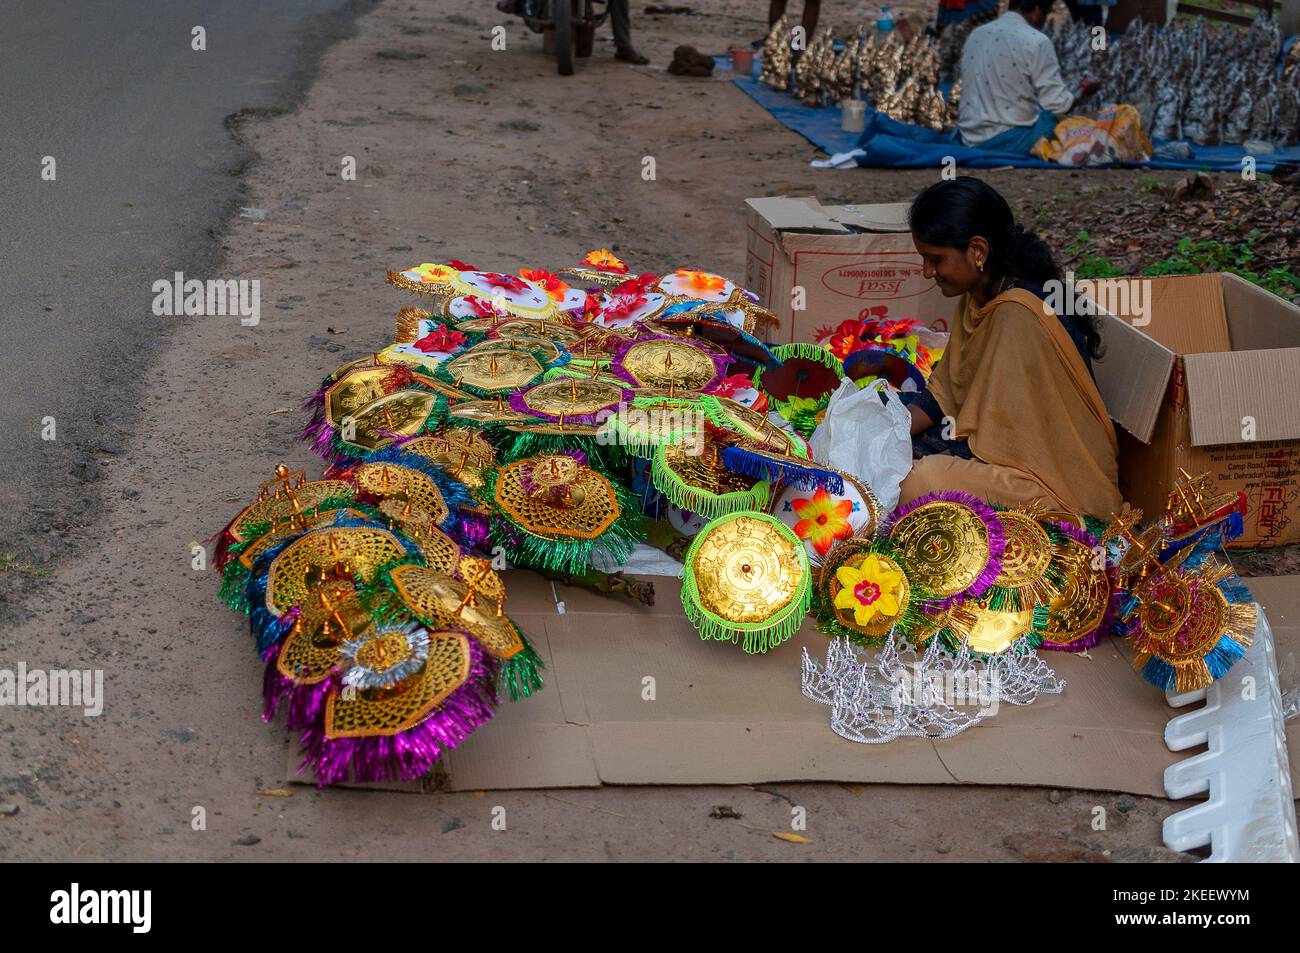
[{"x": 491, "y": 158}]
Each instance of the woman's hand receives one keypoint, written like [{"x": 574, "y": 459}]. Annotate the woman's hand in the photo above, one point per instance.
[{"x": 921, "y": 421}]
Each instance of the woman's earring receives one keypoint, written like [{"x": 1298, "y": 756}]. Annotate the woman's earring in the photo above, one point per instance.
[{"x": 979, "y": 263}]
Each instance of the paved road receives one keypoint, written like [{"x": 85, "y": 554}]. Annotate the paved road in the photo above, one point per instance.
[{"x": 145, "y": 170}]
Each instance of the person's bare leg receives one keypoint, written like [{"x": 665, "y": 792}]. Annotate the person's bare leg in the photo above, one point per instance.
[
  {"x": 812, "y": 10},
  {"x": 621, "y": 18}
]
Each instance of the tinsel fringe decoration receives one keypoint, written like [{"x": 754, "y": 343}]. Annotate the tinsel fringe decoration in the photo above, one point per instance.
[
  {"x": 701, "y": 502},
  {"x": 987, "y": 515},
  {"x": 227, "y": 551},
  {"x": 753, "y": 637},
  {"x": 605, "y": 455},
  {"x": 304, "y": 704},
  {"x": 805, "y": 351},
  {"x": 1185, "y": 675},
  {"x": 519, "y": 401},
  {"x": 409, "y": 754},
  {"x": 525, "y": 548},
  {"x": 794, "y": 472},
  {"x": 717, "y": 415}
]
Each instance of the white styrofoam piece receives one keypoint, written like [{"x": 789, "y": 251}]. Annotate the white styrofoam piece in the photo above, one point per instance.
[{"x": 1249, "y": 815}]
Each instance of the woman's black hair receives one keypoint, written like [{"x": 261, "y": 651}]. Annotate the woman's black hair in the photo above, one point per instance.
[{"x": 953, "y": 211}]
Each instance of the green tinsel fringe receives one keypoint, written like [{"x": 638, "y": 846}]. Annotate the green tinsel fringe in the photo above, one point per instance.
[
  {"x": 708, "y": 505},
  {"x": 909, "y": 619},
  {"x": 718, "y": 416},
  {"x": 607, "y": 458},
  {"x": 520, "y": 674}
]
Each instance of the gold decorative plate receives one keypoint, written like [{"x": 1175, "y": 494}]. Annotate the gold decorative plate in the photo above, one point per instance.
[
  {"x": 989, "y": 631},
  {"x": 1082, "y": 604},
  {"x": 574, "y": 395},
  {"x": 281, "y": 506},
  {"x": 366, "y": 714},
  {"x": 943, "y": 545},
  {"x": 439, "y": 600},
  {"x": 309, "y": 522},
  {"x": 461, "y": 451},
  {"x": 355, "y": 551},
  {"x": 354, "y": 390},
  {"x": 402, "y": 413},
  {"x": 660, "y": 362},
  {"x": 1028, "y": 552},
  {"x": 494, "y": 370},
  {"x": 853, "y": 553},
  {"x": 586, "y": 509},
  {"x": 747, "y": 569},
  {"x": 392, "y": 481}
]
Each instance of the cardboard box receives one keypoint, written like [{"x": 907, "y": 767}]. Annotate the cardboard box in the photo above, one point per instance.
[
  {"x": 852, "y": 261},
  {"x": 1210, "y": 384}
]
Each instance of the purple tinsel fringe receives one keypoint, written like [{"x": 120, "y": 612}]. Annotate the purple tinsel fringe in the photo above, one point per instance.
[
  {"x": 1080, "y": 536},
  {"x": 997, "y": 540},
  {"x": 409, "y": 754},
  {"x": 720, "y": 361},
  {"x": 306, "y": 703},
  {"x": 518, "y": 403},
  {"x": 473, "y": 530}
]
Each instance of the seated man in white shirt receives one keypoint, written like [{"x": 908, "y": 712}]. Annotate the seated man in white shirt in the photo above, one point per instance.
[{"x": 1011, "y": 87}]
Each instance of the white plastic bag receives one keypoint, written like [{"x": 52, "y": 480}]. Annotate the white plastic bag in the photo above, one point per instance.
[{"x": 868, "y": 438}]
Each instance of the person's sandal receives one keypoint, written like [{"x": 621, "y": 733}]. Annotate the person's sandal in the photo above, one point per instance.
[{"x": 629, "y": 55}]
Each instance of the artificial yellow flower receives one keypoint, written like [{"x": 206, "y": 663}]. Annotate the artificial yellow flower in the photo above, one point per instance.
[{"x": 869, "y": 590}]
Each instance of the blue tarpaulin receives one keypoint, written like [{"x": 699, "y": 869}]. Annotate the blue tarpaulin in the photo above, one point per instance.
[{"x": 890, "y": 144}]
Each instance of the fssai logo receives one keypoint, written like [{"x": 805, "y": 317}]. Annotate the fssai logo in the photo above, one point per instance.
[
  {"x": 77, "y": 906},
  {"x": 877, "y": 280}
]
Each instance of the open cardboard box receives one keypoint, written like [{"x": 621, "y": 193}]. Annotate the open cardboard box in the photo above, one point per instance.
[
  {"x": 852, "y": 261},
  {"x": 1208, "y": 380},
  {"x": 712, "y": 715}
]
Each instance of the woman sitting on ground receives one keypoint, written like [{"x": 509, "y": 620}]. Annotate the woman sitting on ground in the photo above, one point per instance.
[{"x": 1011, "y": 412}]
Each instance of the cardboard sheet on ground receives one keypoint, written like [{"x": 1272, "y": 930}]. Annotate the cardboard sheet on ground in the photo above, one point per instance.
[{"x": 721, "y": 717}]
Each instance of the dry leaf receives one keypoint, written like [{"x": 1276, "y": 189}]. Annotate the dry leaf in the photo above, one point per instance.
[
  {"x": 792, "y": 838},
  {"x": 280, "y": 410},
  {"x": 276, "y": 792},
  {"x": 336, "y": 330}
]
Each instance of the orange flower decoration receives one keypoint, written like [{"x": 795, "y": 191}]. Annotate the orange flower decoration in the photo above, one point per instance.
[
  {"x": 605, "y": 260},
  {"x": 822, "y": 520},
  {"x": 552, "y": 285},
  {"x": 701, "y": 280}
]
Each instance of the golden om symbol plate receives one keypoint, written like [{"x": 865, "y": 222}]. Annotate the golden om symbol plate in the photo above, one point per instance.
[
  {"x": 487, "y": 412},
  {"x": 440, "y": 600},
  {"x": 494, "y": 370},
  {"x": 361, "y": 549},
  {"x": 1079, "y": 608},
  {"x": 548, "y": 352},
  {"x": 386, "y": 712},
  {"x": 400, "y": 414},
  {"x": 944, "y": 546},
  {"x": 1028, "y": 552},
  {"x": 989, "y": 631},
  {"x": 659, "y": 362},
  {"x": 746, "y": 569},
  {"x": 589, "y": 509},
  {"x": 575, "y": 395},
  {"x": 279, "y": 507},
  {"x": 390, "y": 480}
]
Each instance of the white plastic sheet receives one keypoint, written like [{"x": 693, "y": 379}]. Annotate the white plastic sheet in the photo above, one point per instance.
[{"x": 867, "y": 437}]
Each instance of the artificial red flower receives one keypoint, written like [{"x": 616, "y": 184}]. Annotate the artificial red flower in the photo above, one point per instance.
[
  {"x": 441, "y": 339},
  {"x": 460, "y": 265},
  {"x": 508, "y": 282},
  {"x": 591, "y": 306},
  {"x": 639, "y": 285},
  {"x": 728, "y": 386},
  {"x": 622, "y": 305},
  {"x": 482, "y": 307}
]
